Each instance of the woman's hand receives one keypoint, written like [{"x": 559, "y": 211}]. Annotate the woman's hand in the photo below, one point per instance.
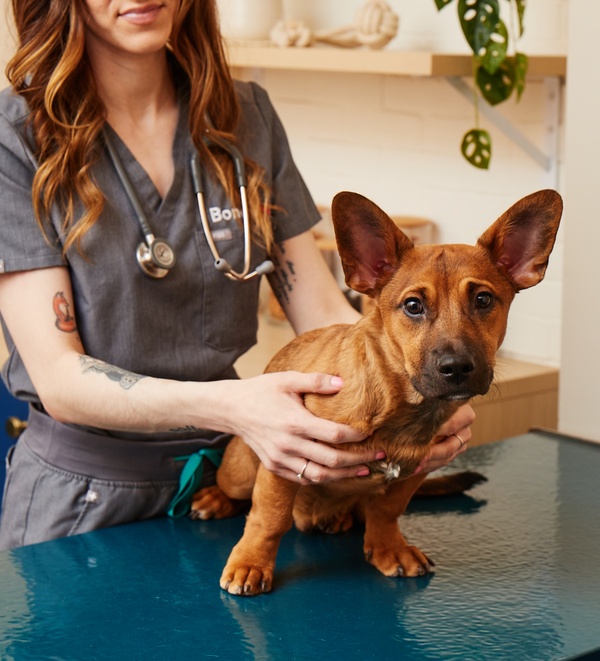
[
  {"x": 286, "y": 436},
  {"x": 451, "y": 440},
  {"x": 293, "y": 443}
]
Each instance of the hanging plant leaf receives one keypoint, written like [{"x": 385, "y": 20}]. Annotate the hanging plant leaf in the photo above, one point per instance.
[
  {"x": 497, "y": 87},
  {"x": 478, "y": 19},
  {"x": 494, "y": 52},
  {"x": 477, "y": 148},
  {"x": 440, "y": 4},
  {"x": 496, "y": 74},
  {"x": 521, "y": 64},
  {"x": 521, "y": 13}
]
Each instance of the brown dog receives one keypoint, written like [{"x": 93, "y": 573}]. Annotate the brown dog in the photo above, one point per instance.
[{"x": 428, "y": 346}]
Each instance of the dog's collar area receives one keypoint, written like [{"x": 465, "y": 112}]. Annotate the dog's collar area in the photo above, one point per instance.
[{"x": 390, "y": 471}]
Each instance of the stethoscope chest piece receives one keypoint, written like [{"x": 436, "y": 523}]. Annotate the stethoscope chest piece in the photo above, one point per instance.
[{"x": 155, "y": 257}]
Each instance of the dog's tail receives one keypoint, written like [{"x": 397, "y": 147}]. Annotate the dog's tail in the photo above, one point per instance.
[{"x": 449, "y": 485}]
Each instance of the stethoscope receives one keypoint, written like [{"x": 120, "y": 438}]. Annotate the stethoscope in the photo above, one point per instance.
[{"x": 156, "y": 256}]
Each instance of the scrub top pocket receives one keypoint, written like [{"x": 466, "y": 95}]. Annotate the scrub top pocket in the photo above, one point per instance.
[{"x": 230, "y": 310}]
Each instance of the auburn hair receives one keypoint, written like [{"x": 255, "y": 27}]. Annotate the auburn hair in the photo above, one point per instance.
[{"x": 50, "y": 70}]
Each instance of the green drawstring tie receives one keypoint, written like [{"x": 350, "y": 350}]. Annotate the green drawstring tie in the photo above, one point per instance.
[{"x": 190, "y": 479}]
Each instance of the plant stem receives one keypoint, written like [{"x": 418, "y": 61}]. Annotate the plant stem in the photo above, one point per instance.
[{"x": 475, "y": 65}]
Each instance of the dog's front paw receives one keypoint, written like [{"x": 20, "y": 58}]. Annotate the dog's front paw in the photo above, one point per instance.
[
  {"x": 246, "y": 580},
  {"x": 403, "y": 561}
]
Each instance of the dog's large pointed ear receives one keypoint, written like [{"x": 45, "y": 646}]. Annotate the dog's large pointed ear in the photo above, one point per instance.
[
  {"x": 521, "y": 240},
  {"x": 369, "y": 242}
]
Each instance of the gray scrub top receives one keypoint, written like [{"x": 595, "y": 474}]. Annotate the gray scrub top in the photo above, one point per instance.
[{"x": 194, "y": 323}]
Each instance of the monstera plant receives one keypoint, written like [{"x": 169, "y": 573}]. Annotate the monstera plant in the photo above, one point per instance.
[{"x": 497, "y": 73}]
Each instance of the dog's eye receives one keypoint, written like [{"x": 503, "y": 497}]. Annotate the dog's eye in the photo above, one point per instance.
[
  {"x": 413, "y": 307},
  {"x": 483, "y": 300}
]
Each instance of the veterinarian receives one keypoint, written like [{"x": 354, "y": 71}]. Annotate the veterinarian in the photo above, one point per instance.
[{"x": 122, "y": 333}]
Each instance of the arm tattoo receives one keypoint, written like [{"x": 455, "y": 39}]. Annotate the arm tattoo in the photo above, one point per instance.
[
  {"x": 124, "y": 378},
  {"x": 65, "y": 321},
  {"x": 283, "y": 278}
]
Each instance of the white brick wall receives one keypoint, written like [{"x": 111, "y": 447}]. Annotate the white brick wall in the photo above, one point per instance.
[{"x": 396, "y": 140}]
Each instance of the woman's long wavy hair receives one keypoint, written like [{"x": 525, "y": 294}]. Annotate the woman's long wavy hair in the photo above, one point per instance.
[{"x": 51, "y": 71}]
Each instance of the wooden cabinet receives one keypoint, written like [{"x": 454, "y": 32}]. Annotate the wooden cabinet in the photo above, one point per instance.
[{"x": 525, "y": 395}]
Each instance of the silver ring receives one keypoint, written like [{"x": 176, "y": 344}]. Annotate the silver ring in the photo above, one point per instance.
[
  {"x": 460, "y": 440},
  {"x": 301, "y": 473}
]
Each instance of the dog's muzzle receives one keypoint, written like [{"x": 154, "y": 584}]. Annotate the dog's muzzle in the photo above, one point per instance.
[{"x": 454, "y": 375}]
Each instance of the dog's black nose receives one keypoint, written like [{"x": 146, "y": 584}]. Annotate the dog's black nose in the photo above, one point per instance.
[{"x": 456, "y": 368}]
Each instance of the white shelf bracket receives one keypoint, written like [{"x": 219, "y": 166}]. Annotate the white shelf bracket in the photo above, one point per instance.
[{"x": 545, "y": 161}]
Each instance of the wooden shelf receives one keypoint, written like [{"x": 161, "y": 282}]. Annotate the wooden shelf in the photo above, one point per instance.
[{"x": 388, "y": 62}]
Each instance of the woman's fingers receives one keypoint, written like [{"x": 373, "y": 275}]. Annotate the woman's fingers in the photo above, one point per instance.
[
  {"x": 303, "y": 447},
  {"x": 451, "y": 440},
  {"x": 325, "y": 463},
  {"x": 459, "y": 423}
]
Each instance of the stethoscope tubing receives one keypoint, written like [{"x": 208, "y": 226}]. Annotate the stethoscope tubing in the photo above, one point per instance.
[
  {"x": 129, "y": 189},
  {"x": 156, "y": 256},
  {"x": 220, "y": 263}
]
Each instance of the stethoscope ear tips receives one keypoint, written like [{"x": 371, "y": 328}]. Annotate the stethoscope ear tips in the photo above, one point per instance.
[
  {"x": 225, "y": 267},
  {"x": 264, "y": 268}
]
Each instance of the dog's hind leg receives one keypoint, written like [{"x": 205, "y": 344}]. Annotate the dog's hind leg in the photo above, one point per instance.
[
  {"x": 233, "y": 491},
  {"x": 384, "y": 545},
  {"x": 212, "y": 503}
]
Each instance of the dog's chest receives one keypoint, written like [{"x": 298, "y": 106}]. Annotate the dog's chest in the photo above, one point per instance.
[
  {"x": 403, "y": 453},
  {"x": 406, "y": 437}
]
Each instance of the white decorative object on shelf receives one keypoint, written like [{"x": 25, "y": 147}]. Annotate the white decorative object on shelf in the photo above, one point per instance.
[
  {"x": 249, "y": 20},
  {"x": 292, "y": 33},
  {"x": 375, "y": 25}
]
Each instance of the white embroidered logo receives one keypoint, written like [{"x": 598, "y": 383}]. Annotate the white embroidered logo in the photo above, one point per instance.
[{"x": 217, "y": 215}]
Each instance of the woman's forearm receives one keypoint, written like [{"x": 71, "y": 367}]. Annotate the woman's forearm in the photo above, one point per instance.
[{"x": 87, "y": 391}]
